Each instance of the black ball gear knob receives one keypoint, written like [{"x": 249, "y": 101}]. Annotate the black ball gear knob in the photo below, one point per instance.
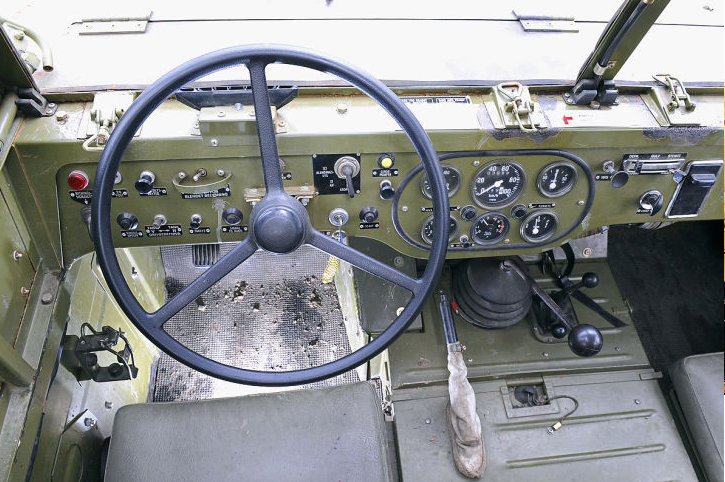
[
  {"x": 590, "y": 280},
  {"x": 585, "y": 340}
]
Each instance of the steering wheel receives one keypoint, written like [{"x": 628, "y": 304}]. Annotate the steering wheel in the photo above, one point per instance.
[{"x": 278, "y": 223}]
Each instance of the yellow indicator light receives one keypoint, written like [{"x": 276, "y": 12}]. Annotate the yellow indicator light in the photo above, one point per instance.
[{"x": 386, "y": 163}]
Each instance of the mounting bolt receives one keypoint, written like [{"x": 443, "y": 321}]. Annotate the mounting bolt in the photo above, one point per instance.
[
  {"x": 17, "y": 255},
  {"x": 476, "y": 163},
  {"x": 586, "y": 252},
  {"x": 214, "y": 142},
  {"x": 61, "y": 116},
  {"x": 341, "y": 108},
  {"x": 108, "y": 404},
  {"x": 221, "y": 113},
  {"x": 221, "y": 172},
  {"x": 545, "y": 354},
  {"x": 427, "y": 421},
  {"x": 404, "y": 209},
  {"x": 89, "y": 422},
  {"x": 637, "y": 401},
  {"x": 24, "y": 291},
  {"x": 46, "y": 298},
  {"x": 281, "y": 123},
  {"x": 181, "y": 175}
]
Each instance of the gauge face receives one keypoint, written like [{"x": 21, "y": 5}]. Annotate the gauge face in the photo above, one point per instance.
[
  {"x": 453, "y": 181},
  {"x": 426, "y": 230},
  {"x": 490, "y": 228},
  {"x": 498, "y": 183},
  {"x": 557, "y": 179},
  {"x": 539, "y": 225}
]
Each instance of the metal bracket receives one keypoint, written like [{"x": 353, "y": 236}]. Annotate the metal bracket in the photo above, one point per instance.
[
  {"x": 586, "y": 92},
  {"x": 107, "y": 109},
  {"x": 545, "y": 23},
  {"x": 79, "y": 355},
  {"x": 678, "y": 96},
  {"x": 31, "y": 104},
  {"x": 516, "y": 108}
]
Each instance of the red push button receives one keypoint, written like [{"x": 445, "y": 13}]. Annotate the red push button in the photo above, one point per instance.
[{"x": 77, "y": 180}]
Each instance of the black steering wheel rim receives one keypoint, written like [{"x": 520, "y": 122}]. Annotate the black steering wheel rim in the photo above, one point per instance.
[{"x": 254, "y": 56}]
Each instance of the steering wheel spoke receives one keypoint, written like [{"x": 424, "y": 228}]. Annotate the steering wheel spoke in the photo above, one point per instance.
[
  {"x": 363, "y": 261},
  {"x": 265, "y": 126},
  {"x": 205, "y": 281}
]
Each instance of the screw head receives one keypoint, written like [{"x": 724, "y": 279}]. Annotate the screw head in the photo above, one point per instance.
[
  {"x": 341, "y": 108},
  {"x": 427, "y": 421},
  {"x": 89, "y": 422},
  {"x": 61, "y": 116},
  {"x": 586, "y": 252},
  {"x": 637, "y": 401},
  {"x": 220, "y": 172},
  {"x": 46, "y": 298},
  {"x": 404, "y": 209},
  {"x": 214, "y": 142},
  {"x": 108, "y": 404}
]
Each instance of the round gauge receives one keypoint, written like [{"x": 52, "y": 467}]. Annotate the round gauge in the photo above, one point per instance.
[
  {"x": 538, "y": 226},
  {"x": 490, "y": 228},
  {"x": 498, "y": 183},
  {"x": 426, "y": 230},
  {"x": 453, "y": 181},
  {"x": 556, "y": 179}
]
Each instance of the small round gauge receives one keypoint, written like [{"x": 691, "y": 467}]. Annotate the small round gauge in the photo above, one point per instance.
[
  {"x": 556, "y": 179},
  {"x": 426, "y": 230},
  {"x": 453, "y": 181},
  {"x": 498, "y": 183},
  {"x": 490, "y": 228},
  {"x": 539, "y": 226}
]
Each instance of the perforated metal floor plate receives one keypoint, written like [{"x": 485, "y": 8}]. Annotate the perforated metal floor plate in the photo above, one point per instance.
[{"x": 271, "y": 313}]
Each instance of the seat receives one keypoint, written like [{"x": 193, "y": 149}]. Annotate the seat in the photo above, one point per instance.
[
  {"x": 331, "y": 434},
  {"x": 698, "y": 384}
]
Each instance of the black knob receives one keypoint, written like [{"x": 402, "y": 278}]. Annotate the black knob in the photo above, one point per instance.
[
  {"x": 387, "y": 191},
  {"x": 468, "y": 213},
  {"x": 585, "y": 340},
  {"x": 127, "y": 221},
  {"x": 619, "y": 179},
  {"x": 518, "y": 211},
  {"x": 145, "y": 182},
  {"x": 195, "y": 221},
  {"x": 558, "y": 331},
  {"x": 368, "y": 214},
  {"x": 590, "y": 280},
  {"x": 232, "y": 216}
]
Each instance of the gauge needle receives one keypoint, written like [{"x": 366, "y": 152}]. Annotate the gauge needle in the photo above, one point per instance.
[
  {"x": 553, "y": 181},
  {"x": 494, "y": 185},
  {"x": 535, "y": 231}
]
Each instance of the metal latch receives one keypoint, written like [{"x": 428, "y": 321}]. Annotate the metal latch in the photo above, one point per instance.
[
  {"x": 516, "y": 108},
  {"x": 136, "y": 23},
  {"x": 107, "y": 109},
  {"x": 674, "y": 102}
]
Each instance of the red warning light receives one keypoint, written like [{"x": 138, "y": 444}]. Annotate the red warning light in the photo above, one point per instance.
[{"x": 77, "y": 180}]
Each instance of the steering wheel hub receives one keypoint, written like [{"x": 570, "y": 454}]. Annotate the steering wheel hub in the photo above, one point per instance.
[{"x": 279, "y": 228}]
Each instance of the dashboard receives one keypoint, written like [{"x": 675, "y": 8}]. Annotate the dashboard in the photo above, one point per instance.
[{"x": 509, "y": 192}]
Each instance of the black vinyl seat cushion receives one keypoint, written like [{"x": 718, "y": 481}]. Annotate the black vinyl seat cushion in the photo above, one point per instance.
[
  {"x": 330, "y": 434},
  {"x": 698, "y": 383}
]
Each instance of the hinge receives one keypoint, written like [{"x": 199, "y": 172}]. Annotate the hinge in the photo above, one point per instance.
[
  {"x": 31, "y": 104},
  {"x": 545, "y": 23},
  {"x": 107, "y": 109},
  {"x": 121, "y": 24},
  {"x": 516, "y": 108}
]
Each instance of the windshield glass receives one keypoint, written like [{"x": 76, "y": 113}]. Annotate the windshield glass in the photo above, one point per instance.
[{"x": 402, "y": 43}]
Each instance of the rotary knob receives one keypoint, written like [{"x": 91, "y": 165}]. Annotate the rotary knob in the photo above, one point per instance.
[
  {"x": 127, "y": 221},
  {"x": 387, "y": 191},
  {"x": 369, "y": 214},
  {"x": 232, "y": 216}
]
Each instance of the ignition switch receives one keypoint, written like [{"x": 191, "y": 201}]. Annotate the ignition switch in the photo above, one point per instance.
[
  {"x": 651, "y": 201},
  {"x": 338, "y": 217}
]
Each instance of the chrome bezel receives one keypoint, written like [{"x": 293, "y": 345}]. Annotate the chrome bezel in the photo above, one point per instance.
[
  {"x": 566, "y": 189},
  {"x": 486, "y": 242},
  {"x": 507, "y": 202},
  {"x": 529, "y": 217},
  {"x": 452, "y": 193},
  {"x": 451, "y": 236}
]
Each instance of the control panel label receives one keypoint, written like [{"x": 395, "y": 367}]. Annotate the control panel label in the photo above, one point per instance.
[
  {"x": 385, "y": 172},
  {"x": 666, "y": 156},
  {"x": 85, "y": 197},
  {"x": 429, "y": 209},
  {"x": 437, "y": 99},
  {"x": 221, "y": 192},
  {"x": 165, "y": 230},
  {"x": 602, "y": 177},
  {"x": 326, "y": 181},
  {"x": 200, "y": 230},
  {"x": 132, "y": 234},
  {"x": 157, "y": 191},
  {"x": 369, "y": 225},
  {"x": 235, "y": 229},
  {"x": 642, "y": 211},
  {"x": 541, "y": 205}
]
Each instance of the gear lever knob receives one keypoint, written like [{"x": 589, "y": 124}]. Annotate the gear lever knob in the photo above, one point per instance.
[
  {"x": 585, "y": 340},
  {"x": 590, "y": 280}
]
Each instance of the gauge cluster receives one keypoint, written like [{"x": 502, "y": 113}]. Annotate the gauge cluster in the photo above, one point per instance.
[{"x": 504, "y": 201}]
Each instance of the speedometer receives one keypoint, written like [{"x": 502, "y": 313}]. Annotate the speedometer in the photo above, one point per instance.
[
  {"x": 453, "y": 181},
  {"x": 498, "y": 183}
]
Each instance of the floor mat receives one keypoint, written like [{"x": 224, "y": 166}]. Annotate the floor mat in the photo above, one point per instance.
[
  {"x": 271, "y": 313},
  {"x": 673, "y": 280}
]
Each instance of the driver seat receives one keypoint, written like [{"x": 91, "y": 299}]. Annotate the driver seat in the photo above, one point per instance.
[{"x": 335, "y": 433}]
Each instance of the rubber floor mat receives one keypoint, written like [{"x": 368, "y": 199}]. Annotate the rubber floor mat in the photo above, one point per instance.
[{"x": 271, "y": 313}]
